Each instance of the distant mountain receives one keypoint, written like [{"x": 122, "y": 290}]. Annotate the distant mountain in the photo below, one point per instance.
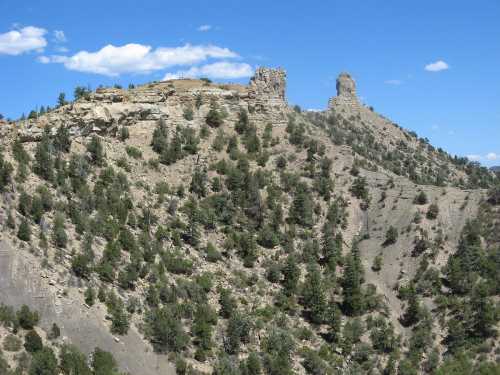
[{"x": 495, "y": 168}]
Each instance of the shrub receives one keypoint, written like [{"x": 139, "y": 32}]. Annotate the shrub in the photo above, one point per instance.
[
  {"x": 32, "y": 342},
  {"x": 133, "y": 152},
  {"x": 24, "y": 231},
  {"x": 432, "y": 212},
  {"x": 27, "y": 319},
  {"x": 391, "y": 236},
  {"x": 421, "y": 198},
  {"x": 214, "y": 118}
]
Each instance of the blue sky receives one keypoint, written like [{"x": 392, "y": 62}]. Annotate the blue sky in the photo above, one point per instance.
[{"x": 385, "y": 45}]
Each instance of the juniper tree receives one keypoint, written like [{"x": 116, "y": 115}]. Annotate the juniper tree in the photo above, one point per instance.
[{"x": 24, "y": 231}]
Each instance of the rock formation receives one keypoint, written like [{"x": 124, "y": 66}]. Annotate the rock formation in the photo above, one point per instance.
[
  {"x": 108, "y": 108},
  {"x": 346, "y": 92}
]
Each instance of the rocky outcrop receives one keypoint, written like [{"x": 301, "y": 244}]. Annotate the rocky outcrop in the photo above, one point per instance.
[
  {"x": 346, "y": 92},
  {"x": 106, "y": 109},
  {"x": 267, "y": 95}
]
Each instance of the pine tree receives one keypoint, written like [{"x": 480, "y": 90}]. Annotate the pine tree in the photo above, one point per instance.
[
  {"x": 44, "y": 161},
  {"x": 301, "y": 211},
  {"x": 412, "y": 314},
  {"x": 314, "y": 294},
  {"x": 192, "y": 232},
  {"x": 96, "y": 151},
  {"x": 353, "y": 299},
  {"x": 62, "y": 141},
  {"x": 61, "y": 99},
  {"x": 199, "y": 182},
  {"x": 291, "y": 275},
  {"x": 59, "y": 236}
]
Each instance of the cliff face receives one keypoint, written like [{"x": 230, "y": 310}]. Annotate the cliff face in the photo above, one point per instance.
[{"x": 104, "y": 110}]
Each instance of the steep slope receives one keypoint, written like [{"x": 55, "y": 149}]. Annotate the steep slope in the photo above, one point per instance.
[{"x": 217, "y": 225}]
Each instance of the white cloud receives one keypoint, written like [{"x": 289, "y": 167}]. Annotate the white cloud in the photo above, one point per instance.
[
  {"x": 204, "y": 28},
  {"x": 137, "y": 58},
  {"x": 394, "y": 82},
  {"x": 59, "y": 36},
  {"x": 62, "y": 49},
  {"x": 474, "y": 157},
  {"x": 43, "y": 59},
  {"x": 27, "y": 39},
  {"x": 492, "y": 156},
  {"x": 217, "y": 70},
  {"x": 437, "y": 66}
]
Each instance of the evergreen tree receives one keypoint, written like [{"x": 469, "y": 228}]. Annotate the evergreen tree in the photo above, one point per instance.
[
  {"x": 62, "y": 141},
  {"x": 314, "y": 294},
  {"x": 412, "y": 314},
  {"x": 353, "y": 299},
  {"x": 24, "y": 231},
  {"x": 44, "y": 161},
  {"x": 44, "y": 362},
  {"x": 59, "y": 236},
  {"x": 291, "y": 275},
  {"x": 159, "y": 142},
  {"x": 301, "y": 211},
  {"x": 96, "y": 151},
  {"x": 32, "y": 342},
  {"x": 61, "y": 99},
  {"x": 199, "y": 182}
]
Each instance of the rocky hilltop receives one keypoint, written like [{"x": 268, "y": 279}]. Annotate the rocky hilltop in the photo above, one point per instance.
[
  {"x": 106, "y": 109},
  {"x": 199, "y": 228}
]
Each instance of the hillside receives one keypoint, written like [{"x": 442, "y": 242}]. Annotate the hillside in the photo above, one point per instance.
[{"x": 192, "y": 227}]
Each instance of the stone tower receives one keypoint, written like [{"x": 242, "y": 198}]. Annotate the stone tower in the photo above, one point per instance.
[
  {"x": 267, "y": 95},
  {"x": 346, "y": 92},
  {"x": 269, "y": 83}
]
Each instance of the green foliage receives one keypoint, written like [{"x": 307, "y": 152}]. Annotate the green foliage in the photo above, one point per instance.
[
  {"x": 291, "y": 275},
  {"x": 165, "y": 330},
  {"x": 353, "y": 297},
  {"x": 5, "y": 173},
  {"x": 133, "y": 152},
  {"x": 188, "y": 114},
  {"x": 72, "y": 361},
  {"x": 301, "y": 211},
  {"x": 44, "y": 161},
  {"x": 278, "y": 348},
  {"x": 26, "y": 318},
  {"x": 432, "y": 211},
  {"x": 391, "y": 237},
  {"x": 55, "y": 332},
  {"x": 24, "y": 230},
  {"x": 314, "y": 294},
  {"x": 61, "y": 99},
  {"x": 421, "y": 198},
  {"x": 44, "y": 362},
  {"x": 59, "y": 236},
  {"x": 96, "y": 151},
  {"x": 32, "y": 342},
  {"x": 103, "y": 363},
  {"x": 214, "y": 118},
  {"x": 62, "y": 141},
  {"x": 124, "y": 133},
  {"x": 82, "y": 92}
]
